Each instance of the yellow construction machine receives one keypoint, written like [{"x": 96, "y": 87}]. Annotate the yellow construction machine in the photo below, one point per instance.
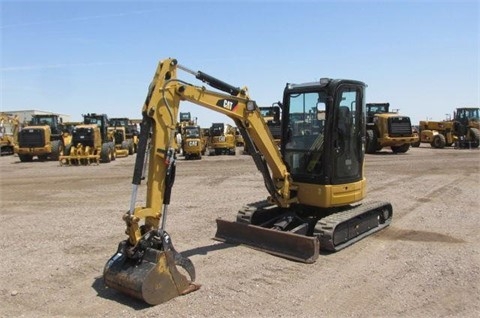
[
  {"x": 238, "y": 138},
  {"x": 67, "y": 128},
  {"x": 463, "y": 130},
  {"x": 466, "y": 127},
  {"x": 437, "y": 133},
  {"x": 222, "y": 139},
  {"x": 315, "y": 180},
  {"x": 193, "y": 143},
  {"x": 387, "y": 128},
  {"x": 9, "y": 126},
  {"x": 92, "y": 142},
  {"x": 126, "y": 134},
  {"x": 271, "y": 115},
  {"x": 41, "y": 138},
  {"x": 206, "y": 138},
  {"x": 122, "y": 145}
]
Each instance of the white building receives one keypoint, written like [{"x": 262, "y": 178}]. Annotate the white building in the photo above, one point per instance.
[{"x": 24, "y": 116}]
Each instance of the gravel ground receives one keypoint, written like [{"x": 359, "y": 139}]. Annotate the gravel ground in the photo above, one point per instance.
[{"x": 61, "y": 224}]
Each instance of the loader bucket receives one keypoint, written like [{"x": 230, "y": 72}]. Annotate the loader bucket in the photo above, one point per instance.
[
  {"x": 121, "y": 153},
  {"x": 155, "y": 279},
  {"x": 284, "y": 244}
]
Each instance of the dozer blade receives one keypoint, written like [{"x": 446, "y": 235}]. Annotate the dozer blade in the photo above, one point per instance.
[
  {"x": 155, "y": 279},
  {"x": 284, "y": 244}
]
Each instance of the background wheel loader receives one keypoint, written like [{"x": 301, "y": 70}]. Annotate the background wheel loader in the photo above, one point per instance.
[
  {"x": 463, "y": 130},
  {"x": 315, "y": 180},
  {"x": 42, "y": 138},
  {"x": 92, "y": 142},
  {"x": 388, "y": 129}
]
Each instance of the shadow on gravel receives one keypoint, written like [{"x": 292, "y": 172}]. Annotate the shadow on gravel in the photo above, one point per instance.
[
  {"x": 387, "y": 153},
  {"x": 108, "y": 293},
  {"x": 204, "y": 250},
  {"x": 417, "y": 236}
]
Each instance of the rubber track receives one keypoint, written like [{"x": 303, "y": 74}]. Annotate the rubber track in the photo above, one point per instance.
[{"x": 325, "y": 227}]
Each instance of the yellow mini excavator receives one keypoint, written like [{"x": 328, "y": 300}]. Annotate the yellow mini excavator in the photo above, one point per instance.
[{"x": 315, "y": 179}]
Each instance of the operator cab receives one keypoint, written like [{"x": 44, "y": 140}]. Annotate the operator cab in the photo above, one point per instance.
[{"x": 323, "y": 131}]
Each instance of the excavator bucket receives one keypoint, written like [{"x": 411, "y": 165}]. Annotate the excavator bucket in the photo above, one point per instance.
[
  {"x": 154, "y": 279},
  {"x": 284, "y": 244}
]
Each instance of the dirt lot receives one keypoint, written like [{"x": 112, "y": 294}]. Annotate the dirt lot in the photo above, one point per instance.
[{"x": 59, "y": 226}]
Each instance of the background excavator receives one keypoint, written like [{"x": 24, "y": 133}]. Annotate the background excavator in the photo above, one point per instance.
[
  {"x": 315, "y": 179},
  {"x": 9, "y": 127}
]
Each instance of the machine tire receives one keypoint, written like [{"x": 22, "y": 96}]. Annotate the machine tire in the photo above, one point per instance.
[
  {"x": 131, "y": 147},
  {"x": 106, "y": 153},
  {"x": 371, "y": 142},
  {"x": 438, "y": 141},
  {"x": 415, "y": 144},
  {"x": 6, "y": 150},
  {"x": 400, "y": 149},
  {"x": 113, "y": 151},
  {"x": 125, "y": 145},
  {"x": 57, "y": 149},
  {"x": 25, "y": 158},
  {"x": 475, "y": 137},
  {"x": 67, "y": 149}
]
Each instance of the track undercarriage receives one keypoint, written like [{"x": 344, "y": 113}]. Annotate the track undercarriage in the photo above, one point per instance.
[{"x": 300, "y": 233}]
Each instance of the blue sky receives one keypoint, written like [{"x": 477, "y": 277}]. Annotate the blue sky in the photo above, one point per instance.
[{"x": 74, "y": 57}]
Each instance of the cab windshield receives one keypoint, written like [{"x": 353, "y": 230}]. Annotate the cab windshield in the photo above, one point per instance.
[
  {"x": 324, "y": 135},
  {"x": 192, "y": 132},
  {"x": 305, "y": 132}
]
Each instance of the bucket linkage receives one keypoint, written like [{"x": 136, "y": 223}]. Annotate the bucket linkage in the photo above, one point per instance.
[{"x": 148, "y": 271}]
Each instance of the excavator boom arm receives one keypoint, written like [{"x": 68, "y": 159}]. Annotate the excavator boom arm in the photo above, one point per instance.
[{"x": 162, "y": 106}]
